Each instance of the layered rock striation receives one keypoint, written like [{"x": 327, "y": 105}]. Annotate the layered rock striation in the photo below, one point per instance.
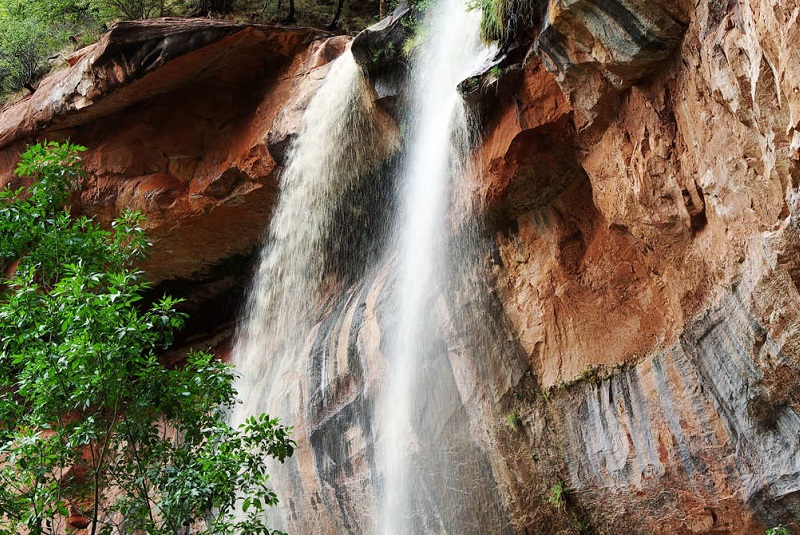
[{"x": 655, "y": 293}]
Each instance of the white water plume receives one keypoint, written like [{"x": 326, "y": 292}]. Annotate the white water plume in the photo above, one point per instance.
[{"x": 439, "y": 134}]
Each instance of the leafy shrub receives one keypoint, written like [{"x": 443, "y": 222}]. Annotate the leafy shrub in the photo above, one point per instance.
[
  {"x": 32, "y": 32},
  {"x": 780, "y": 529},
  {"x": 24, "y": 48},
  {"x": 92, "y": 426},
  {"x": 131, "y": 9}
]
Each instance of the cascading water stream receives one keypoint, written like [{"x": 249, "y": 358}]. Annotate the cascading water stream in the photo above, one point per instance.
[
  {"x": 338, "y": 144},
  {"x": 440, "y": 140},
  {"x": 342, "y": 138},
  {"x": 295, "y": 361}
]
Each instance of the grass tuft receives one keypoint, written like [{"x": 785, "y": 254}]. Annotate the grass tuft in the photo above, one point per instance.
[{"x": 502, "y": 19}]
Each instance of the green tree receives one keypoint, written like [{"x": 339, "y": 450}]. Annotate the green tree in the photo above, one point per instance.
[
  {"x": 131, "y": 9},
  {"x": 51, "y": 12},
  {"x": 25, "y": 45},
  {"x": 32, "y": 32},
  {"x": 92, "y": 426}
]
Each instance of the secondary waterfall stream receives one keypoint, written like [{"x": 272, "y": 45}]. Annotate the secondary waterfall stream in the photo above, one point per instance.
[
  {"x": 339, "y": 142},
  {"x": 417, "y": 469}
]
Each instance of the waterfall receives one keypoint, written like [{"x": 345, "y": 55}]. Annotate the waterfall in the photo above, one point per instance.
[
  {"x": 439, "y": 138},
  {"x": 384, "y": 440},
  {"x": 342, "y": 138},
  {"x": 339, "y": 142}
]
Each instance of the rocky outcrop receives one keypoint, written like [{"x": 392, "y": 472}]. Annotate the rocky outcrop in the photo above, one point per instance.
[
  {"x": 529, "y": 146},
  {"x": 380, "y": 47},
  {"x": 600, "y": 48},
  {"x": 380, "y": 51},
  {"x": 655, "y": 296}
]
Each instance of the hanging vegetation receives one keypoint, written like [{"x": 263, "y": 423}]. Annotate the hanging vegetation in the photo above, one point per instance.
[{"x": 503, "y": 20}]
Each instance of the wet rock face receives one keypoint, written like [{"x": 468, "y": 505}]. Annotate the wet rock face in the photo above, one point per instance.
[
  {"x": 380, "y": 46},
  {"x": 288, "y": 120},
  {"x": 379, "y": 51},
  {"x": 331, "y": 487}
]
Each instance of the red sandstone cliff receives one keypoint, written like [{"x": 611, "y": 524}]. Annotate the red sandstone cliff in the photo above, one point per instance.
[
  {"x": 647, "y": 189},
  {"x": 641, "y": 183}
]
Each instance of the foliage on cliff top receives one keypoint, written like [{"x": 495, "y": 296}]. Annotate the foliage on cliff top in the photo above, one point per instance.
[
  {"x": 503, "y": 20},
  {"x": 94, "y": 430},
  {"x": 31, "y": 35},
  {"x": 35, "y": 34}
]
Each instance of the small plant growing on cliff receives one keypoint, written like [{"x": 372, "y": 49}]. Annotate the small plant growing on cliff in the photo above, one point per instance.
[
  {"x": 780, "y": 529},
  {"x": 556, "y": 496},
  {"x": 96, "y": 432},
  {"x": 502, "y": 20},
  {"x": 513, "y": 421}
]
